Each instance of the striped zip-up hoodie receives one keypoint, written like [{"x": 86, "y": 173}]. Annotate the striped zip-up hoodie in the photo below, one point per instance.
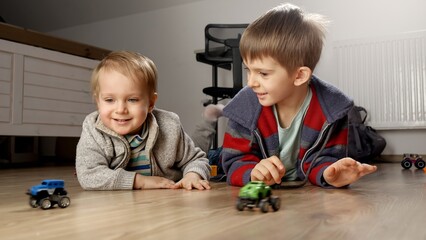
[{"x": 252, "y": 133}]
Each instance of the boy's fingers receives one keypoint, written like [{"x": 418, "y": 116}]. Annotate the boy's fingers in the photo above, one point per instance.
[
  {"x": 276, "y": 169},
  {"x": 330, "y": 174},
  {"x": 197, "y": 185},
  {"x": 177, "y": 185},
  {"x": 202, "y": 184},
  {"x": 188, "y": 186},
  {"x": 257, "y": 175},
  {"x": 366, "y": 169},
  {"x": 264, "y": 172},
  {"x": 269, "y": 170},
  {"x": 276, "y": 176},
  {"x": 277, "y": 162},
  {"x": 205, "y": 184},
  {"x": 163, "y": 182}
]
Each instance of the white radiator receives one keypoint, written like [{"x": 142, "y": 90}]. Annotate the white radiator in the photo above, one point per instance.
[{"x": 386, "y": 76}]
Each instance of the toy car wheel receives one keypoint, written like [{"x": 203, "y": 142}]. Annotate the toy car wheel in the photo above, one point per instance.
[
  {"x": 33, "y": 202},
  {"x": 420, "y": 164},
  {"x": 406, "y": 164},
  {"x": 240, "y": 204},
  {"x": 64, "y": 202},
  {"x": 45, "y": 204},
  {"x": 264, "y": 204},
  {"x": 275, "y": 203}
]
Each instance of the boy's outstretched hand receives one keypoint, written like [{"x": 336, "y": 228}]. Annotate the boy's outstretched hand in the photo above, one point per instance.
[
  {"x": 346, "y": 171},
  {"x": 192, "y": 180}
]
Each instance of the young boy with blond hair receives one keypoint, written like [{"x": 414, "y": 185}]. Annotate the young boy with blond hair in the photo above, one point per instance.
[
  {"x": 287, "y": 124},
  {"x": 128, "y": 143}
]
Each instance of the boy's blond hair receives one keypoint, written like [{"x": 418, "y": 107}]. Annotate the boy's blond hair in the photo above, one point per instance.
[
  {"x": 288, "y": 35},
  {"x": 137, "y": 67}
]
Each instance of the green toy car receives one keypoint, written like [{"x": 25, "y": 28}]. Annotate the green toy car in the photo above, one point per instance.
[{"x": 257, "y": 194}]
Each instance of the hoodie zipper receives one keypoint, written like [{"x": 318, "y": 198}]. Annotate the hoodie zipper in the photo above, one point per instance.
[
  {"x": 261, "y": 145},
  {"x": 317, "y": 142}
]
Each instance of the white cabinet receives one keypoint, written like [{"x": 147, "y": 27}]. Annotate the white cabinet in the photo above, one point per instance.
[{"x": 43, "y": 92}]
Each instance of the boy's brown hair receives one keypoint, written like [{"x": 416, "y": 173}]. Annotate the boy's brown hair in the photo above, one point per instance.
[
  {"x": 288, "y": 35},
  {"x": 131, "y": 64}
]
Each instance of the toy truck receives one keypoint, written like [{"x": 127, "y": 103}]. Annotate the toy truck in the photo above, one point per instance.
[
  {"x": 49, "y": 193},
  {"x": 411, "y": 158},
  {"x": 257, "y": 194}
]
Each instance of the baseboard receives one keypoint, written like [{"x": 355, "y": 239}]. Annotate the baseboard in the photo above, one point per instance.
[{"x": 389, "y": 158}]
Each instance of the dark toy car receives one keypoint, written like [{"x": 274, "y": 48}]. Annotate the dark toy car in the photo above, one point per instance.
[
  {"x": 49, "y": 193},
  {"x": 257, "y": 194},
  {"x": 410, "y": 158}
]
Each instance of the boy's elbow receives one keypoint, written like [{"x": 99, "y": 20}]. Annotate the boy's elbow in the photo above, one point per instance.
[
  {"x": 85, "y": 182},
  {"x": 85, "y": 185}
]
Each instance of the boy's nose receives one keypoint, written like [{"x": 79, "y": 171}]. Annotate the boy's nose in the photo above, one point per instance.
[
  {"x": 251, "y": 81},
  {"x": 121, "y": 108}
]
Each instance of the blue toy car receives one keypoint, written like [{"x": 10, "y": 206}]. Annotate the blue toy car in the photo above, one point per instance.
[{"x": 49, "y": 193}]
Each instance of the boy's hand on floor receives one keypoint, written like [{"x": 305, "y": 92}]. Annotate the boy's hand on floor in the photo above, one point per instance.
[
  {"x": 269, "y": 170},
  {"x": 151, "y": 182},
  {"x": 192, "y": 180},
  {"x": 346, "y": 171}
]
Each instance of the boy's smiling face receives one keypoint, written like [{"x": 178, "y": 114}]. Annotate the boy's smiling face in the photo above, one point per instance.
[
  {"x": 270, "y": 81},
  {"x": 123, "y": 104}
]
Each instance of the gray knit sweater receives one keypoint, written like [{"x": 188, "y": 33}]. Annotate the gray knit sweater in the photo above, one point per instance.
[{"x": 102, "y": 155}]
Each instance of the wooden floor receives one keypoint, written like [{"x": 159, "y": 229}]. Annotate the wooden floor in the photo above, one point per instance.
[{"x": 389, "y": 204}]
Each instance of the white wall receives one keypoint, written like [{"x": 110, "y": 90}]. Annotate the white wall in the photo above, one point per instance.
[{"x": 170, "y": 36}]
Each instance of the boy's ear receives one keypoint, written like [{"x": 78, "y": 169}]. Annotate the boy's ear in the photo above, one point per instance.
[
  {"x": 303, "y": 74},
  {"x": 152, "y": 101}
]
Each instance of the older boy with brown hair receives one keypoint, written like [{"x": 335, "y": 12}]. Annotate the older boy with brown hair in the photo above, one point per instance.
[{"x": 287, "y": 124}]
